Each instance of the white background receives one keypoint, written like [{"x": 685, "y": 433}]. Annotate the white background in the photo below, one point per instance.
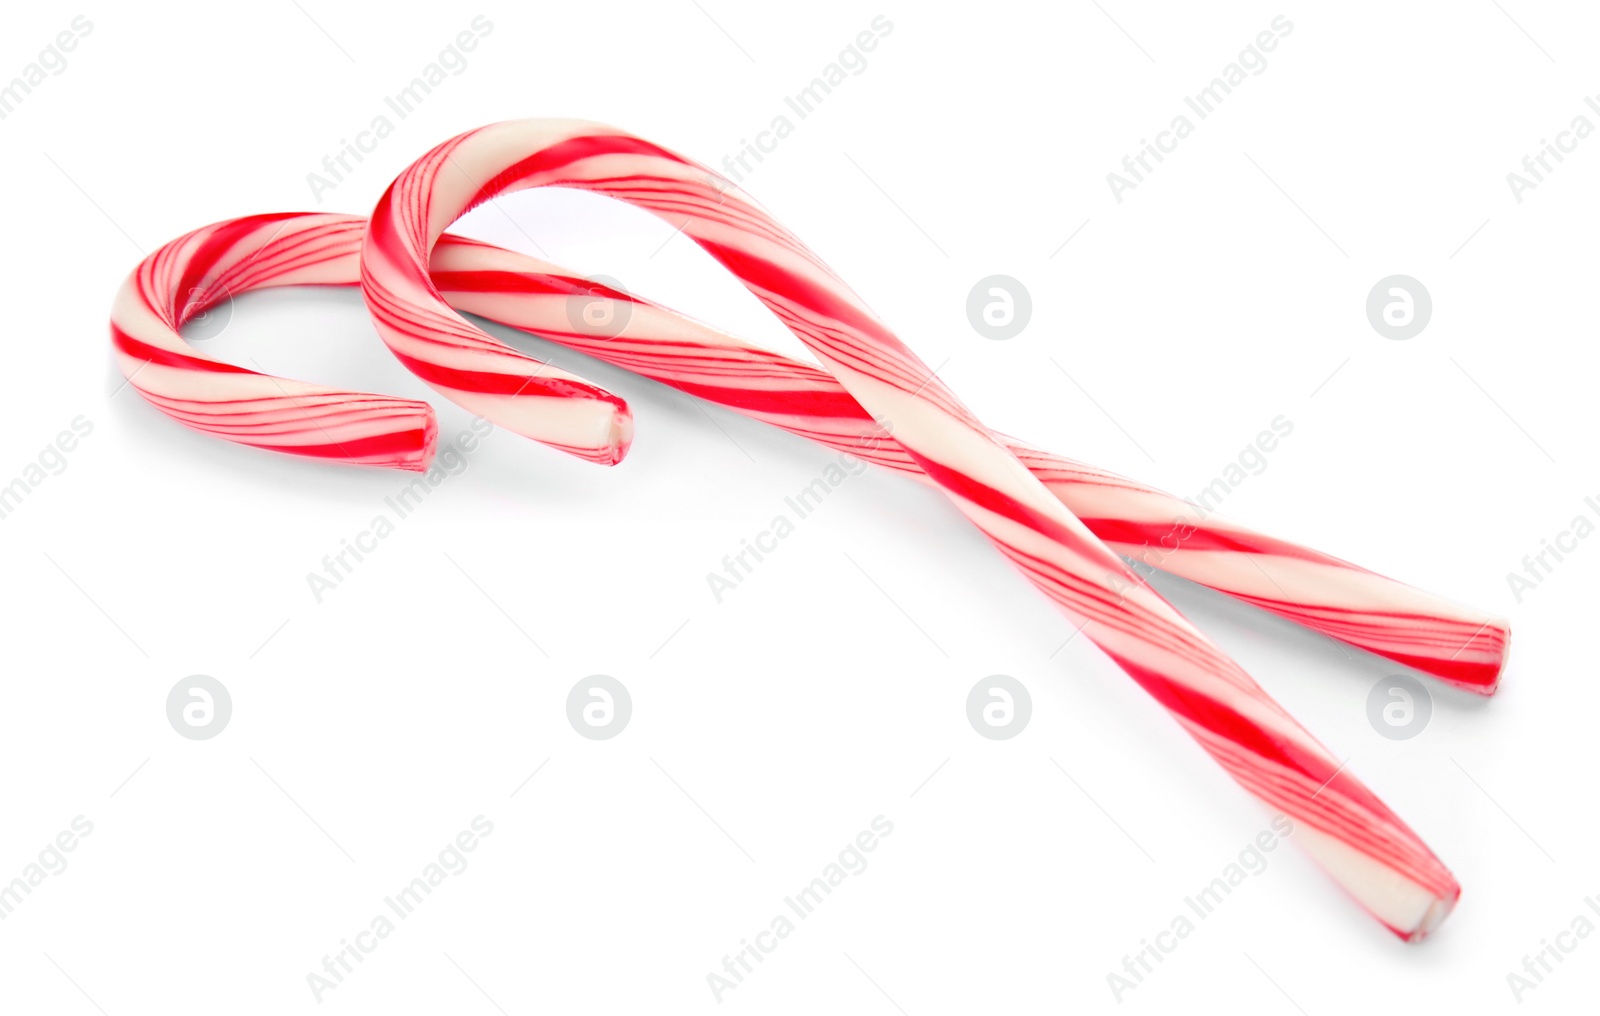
[{"x": 769, "y": 729}]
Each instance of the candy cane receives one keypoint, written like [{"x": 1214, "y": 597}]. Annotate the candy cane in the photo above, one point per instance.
[
  {"x": 203, "y": 268},
  {"x": 1362, "y": 844},
  {"x": 1303, "y": 585}
]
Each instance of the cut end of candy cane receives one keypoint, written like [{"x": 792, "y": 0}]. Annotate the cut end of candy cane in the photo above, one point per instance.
[
  {"x": 1501, "y": 658},
  {"x": 419, "y": 461},
  {"x": 621, "y": 435},
  {"x": 593, "y": 429},
  {"x": 1410, "y": 904},
  {"x": 1476, "y": 667},
  {"x": 1432, "y": 918}
]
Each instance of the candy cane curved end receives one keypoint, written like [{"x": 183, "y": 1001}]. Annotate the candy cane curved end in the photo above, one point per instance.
[
  {"x": 453, "y": 356},
  {"x": 210, "y": 265}
]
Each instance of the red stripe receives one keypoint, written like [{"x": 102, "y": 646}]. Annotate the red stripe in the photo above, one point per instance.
[
  {"x": 161, "y": 356},
  {"x": 493, "y": 383}
]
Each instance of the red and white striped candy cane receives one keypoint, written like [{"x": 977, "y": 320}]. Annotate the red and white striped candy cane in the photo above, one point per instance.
[
  {"x": 1363, "y": 609},
  {"x": 1362, "y": 844},
  {"x": 1451, "y": 642},
  {"x": 206, "y": 267}
]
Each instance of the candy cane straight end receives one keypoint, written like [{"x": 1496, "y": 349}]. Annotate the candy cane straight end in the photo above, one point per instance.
[
  {"x": 1410, "y": 898},
  {"x": 1432, "y": 918},
  {"x": 419, "y": 461},
  {"x": 621, "y": 437},
  {"x": 1502, "y": 656},
  {"x": 1478, "y": 665},
  {"x": 1432, "y": 914}
]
